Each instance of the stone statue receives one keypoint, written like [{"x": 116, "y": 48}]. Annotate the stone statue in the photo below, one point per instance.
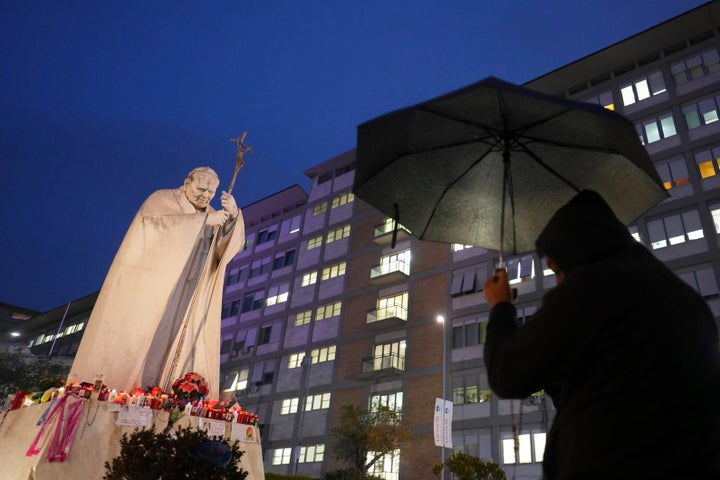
[{"x": 158, "y": 312}]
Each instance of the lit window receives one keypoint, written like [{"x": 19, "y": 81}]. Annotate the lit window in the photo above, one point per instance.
[
  {"x": 333, "y": 271},
  {"x": 277, "y": 294},
  {"x": 281, "y": 456},
  {"x": 325, "y": 354},
  {"x": 673, "y": 173},
  {"x": 288, "y": 406},
  {"x": 655, "y": 129},
  {"x": 387, "y": 466},
  {"x": 342, "y": 199},
  {"x": 604, "y": 99},
  {"x": 701, "y": 113},
  {"x": 708, "y": 161},
  {"x": 319, "y": 208},
  {"x": 308, "y": 279},
  {"x": 239, "y": 380},
  {"x": 303, "y": 318},
  {"x": 338, "y": 234},
  {"x": 530, "y": 447},
  {"x": 328, "y": 311},
  {"x": 295, "y": 360},
  {"x": 318, "y": 402},
  {"x": 674, "y": 229},
  {"x": 643, "y": 88},
  {"x": 312, "y": 453},
  {"x": 314, "y": 242}
]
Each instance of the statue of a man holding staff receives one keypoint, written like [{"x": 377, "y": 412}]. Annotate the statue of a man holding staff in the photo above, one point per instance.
[{"x": 158, "y": 312}]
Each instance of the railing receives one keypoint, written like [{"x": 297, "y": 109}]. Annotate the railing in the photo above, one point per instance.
[
  {"x": 383, "y": 362},
  {"x": 392, "y": 311},
  {"x": 390, "y": 267}
]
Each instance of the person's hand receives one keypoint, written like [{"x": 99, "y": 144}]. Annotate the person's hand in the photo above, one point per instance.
[
  {"x": 228, "y": 203},
  {"x": 497, "y": 288},
  {"x": 217, "y": 218}
]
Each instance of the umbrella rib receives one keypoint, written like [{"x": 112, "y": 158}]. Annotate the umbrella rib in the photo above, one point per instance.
[
  {"x": 548, "y": 167},
  {"x": 448, "y": 187}
]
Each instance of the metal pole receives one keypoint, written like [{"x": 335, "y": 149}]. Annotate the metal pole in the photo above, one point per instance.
[
  {"x": 306, "y": 361},
  {"x": 441, "y": 319}
]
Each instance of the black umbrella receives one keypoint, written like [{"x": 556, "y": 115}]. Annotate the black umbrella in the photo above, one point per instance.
[{"x": 488, "y": 165}]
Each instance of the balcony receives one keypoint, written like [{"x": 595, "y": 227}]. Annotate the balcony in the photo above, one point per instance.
[
  {"x": 383, "y": 233},
  {"x": 390, "y": 316},
  {"x": 390, "y": 272},
  {"x": 383, "y": 365}
]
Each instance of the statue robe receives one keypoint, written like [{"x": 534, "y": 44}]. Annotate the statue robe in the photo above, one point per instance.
[{"x": 162, "y": 276}]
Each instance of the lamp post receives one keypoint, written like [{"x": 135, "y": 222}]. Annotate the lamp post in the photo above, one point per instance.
[
  {"x": 305, "y": 364},
  {"x": 441, "y": 320}
]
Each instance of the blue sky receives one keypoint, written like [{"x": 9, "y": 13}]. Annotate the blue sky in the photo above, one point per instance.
[{"x": 102, "y": 103}]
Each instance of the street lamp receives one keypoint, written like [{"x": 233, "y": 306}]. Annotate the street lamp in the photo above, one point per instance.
[{"x": 441, "y": 319}]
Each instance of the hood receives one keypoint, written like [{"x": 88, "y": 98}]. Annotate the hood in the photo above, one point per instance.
[{"x": 584, "y": 230}]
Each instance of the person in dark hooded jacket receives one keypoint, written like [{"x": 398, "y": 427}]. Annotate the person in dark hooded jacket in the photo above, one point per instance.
[{"x": 627, "y": 351}]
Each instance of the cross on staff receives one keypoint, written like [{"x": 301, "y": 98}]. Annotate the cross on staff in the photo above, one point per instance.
[{"x": 242, "y": 149}]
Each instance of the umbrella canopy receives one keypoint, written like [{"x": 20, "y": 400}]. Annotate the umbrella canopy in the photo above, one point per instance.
[{"x": 489, "y": 164}]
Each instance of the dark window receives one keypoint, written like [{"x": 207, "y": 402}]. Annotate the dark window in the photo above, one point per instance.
[
  {"x": 225, "y": 348},
  {"x": 264, "y": 335}
]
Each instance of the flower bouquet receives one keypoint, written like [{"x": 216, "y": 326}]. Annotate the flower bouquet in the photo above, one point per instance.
[{"x": 190, "y": 387}]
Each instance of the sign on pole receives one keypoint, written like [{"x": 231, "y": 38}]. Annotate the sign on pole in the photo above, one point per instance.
[{"x": 442, "y": 423}]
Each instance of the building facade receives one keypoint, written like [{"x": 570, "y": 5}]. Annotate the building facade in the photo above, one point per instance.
[{"x": 322, "y": 310}]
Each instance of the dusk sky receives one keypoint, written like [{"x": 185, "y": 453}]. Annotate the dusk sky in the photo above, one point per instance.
[{"x": 101, "y": 103}]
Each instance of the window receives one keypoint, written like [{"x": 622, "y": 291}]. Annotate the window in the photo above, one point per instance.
[
  {"x": 604, "y": 99},
  {"x": 394, "y": 306},
  {"x": 674, "y": 229},
  {"x": 312, "y": 453},
  {"x": 303, "y": 318},
  {"x": 308, "y": 279},
  {"x": 225, "y": 346},
  {"x": 657, "y": 128},
  {"x": 238, "y": 380},
  {"x": 338, "y": 234},
  {"x": 643, "y": 88},
  {"x": 708, "y": 161},
  {"x": 328, "y": 311},
  {"x": 288, "y": 406},
  {"x": 230, "y": 308},
  {"x": 290, "y": 226},
  {"x": 325, "y": 177},
  {"x": 267, "y": 235},
  {"x": 319, "y": 208},
  {"x": 281, "y": 456},
  {"x": 325, "y": 354},
  {"x": 530, "y": 446},
  {"x": 333, "y": 271},
  {"x": 469, "y": 332},
  {"x": 695, "y": 67},
  {"x": 520, "y": 268},
  {"x": 389, "y": 355},
  {"x": 265, "y": 334},
  {"x": 342, "y": 200},
  {"x": 465, "y": 282},
  {"x": 393, "y": 401},
  {"x": 344, "y": 169},
  {"x": 701, "y": 113},
  {"x": 295, "y": 360},
  {"x": 394, "y": 262},
  {"x": 252, "y": 301},
  {"x": 237, "y": 274},
  {"x": 314, "y": 242},
  {"x": 470, "y": 387},
  {"x": 277, "y": 294},
  {"x": 387, "y": 466},
  {"x": 673, "y": 173},
  {"x": 703, "y": 280},
  {"x": 284, "y": 259},
  {"x": 260, "y": 267},
  {"x": 320, "y": 401}
]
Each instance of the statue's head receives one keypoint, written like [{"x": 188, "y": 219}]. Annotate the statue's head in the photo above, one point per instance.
[{"x": 200, "y": 186}]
